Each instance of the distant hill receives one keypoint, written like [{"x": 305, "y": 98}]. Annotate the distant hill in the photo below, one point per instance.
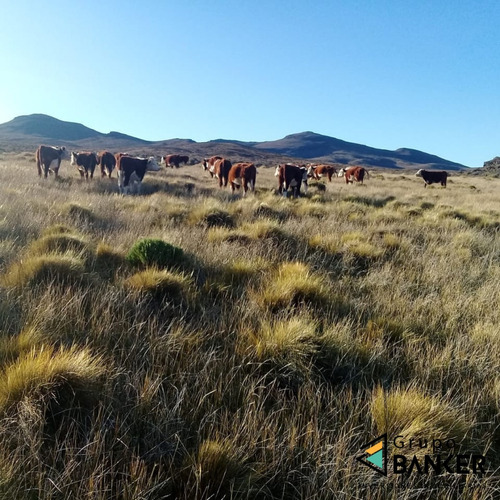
[
  {"x": 31, "y": 130},
  {"x": 309, "y": 145}
]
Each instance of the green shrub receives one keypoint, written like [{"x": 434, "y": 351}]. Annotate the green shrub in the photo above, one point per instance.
[{"x": 154, "y": 252}]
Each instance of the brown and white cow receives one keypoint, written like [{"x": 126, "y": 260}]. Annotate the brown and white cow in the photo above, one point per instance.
[
  {"x": 174, "y": 160},
  {"x": 86, "y": 162},
  {"x": 291, "y": 176},
  {"x": 107, "y": 161},
  {"x": 131, "y": 171},
  {"x": 48, "y": 159},
  {"x": 318, "y": 171},
  {"x": 242, "y": 173},
  {"x": 432, "y": 177},
  {"x": 352, "y": 174},
  {"x": 221, "y": 170},
  {"x": 209, "y": 163}
]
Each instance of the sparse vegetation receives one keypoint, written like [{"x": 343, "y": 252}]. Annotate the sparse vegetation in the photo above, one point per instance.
[{"x": 190, "y": 344}]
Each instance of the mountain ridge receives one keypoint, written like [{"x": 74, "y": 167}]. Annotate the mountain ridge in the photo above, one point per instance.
[{"x": 31, "y": 130}]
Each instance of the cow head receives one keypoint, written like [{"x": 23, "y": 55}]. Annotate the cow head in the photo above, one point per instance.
[
  {"x": 205, "y": 163},
  {"x": 419, "y": 173},
  {"x": 163, "y": 161},
  {"x": 74, "y": 156},
  {"x": 152, "y": 164},
  {"x": 341, "y": 172},
  {"x": 277, "y": 171},
  {"x": 310, "y": 170}
]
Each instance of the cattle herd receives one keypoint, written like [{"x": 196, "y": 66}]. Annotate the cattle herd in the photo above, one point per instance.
[{"x": 131, "y": 170}]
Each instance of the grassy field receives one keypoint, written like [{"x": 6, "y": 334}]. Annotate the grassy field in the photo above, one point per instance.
[{"x": 255, "y": 349}]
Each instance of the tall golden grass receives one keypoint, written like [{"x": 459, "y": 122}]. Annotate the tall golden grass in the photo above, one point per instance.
[{"x": 294, "y": 332}]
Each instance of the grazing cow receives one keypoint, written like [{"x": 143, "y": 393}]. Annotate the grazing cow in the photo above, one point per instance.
[
  {"x": 174, "y": 160},
  {"x": 352, "y": 174},
  {"x": 318, "y": 171},
  {"x": 85, "y": 162},
  {"x": 221, "y": 171},
  {"x": 131, "y": 170},
  {"x": 291, "y": 176},
  {"x": 209, "y": 163},
  {"x": 49, "y": 158},
  {"x": 431, "y": 177},
  {"x": 242, "y": 172},
  {"x": 107, "y": 161}
]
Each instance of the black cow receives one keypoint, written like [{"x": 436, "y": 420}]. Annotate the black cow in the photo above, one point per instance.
[
  {"x": 132, "y": 170},
  {"x": 432, "y": 177},
  {"x": 107, "y": 161},
  {"x": 85, "y": 162},
  {"x": 291, "y": 176}
]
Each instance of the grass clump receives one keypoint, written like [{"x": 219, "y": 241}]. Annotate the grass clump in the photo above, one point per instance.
[
  {"x": 154, "y": 252},
  {"x": 62, "y": 375},
  {"x": 61, "y": 243},
  {"x": 63, "y": 269},
  {"x": 108, "y": 261},
  {"x": 161, "y": 284},
  {"x": 211, "y": 217},
  {"x": 358, "y": 245},
  {"x": 287, "y": 343},
  {"x": 292, "y": 285},
  {"x": 78, "y": 213},
  {"x": 267, "y": 212},
  {"x": 411, "y": 412},
  {"x": 218, "y": 470}
]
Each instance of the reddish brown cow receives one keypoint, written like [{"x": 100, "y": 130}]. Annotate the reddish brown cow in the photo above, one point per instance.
[
  {"x": 208, "y": 164},
  {"x": 174, "y": 160},
  {"x": 318, "y": 171},
  {"x": 291, "y": 176},
  {"x": 352, "y": 174},
  {"x": 242, "y": 172},
  {"x": 85, "y": 162},
  {"x": 49, "y": 158},
  {"x": 221, "y": 171},
  {"x": 107, "y": 161}
]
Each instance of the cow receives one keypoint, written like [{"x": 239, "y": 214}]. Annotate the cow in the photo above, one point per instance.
[
  {"x": 49, "y": 159},
  {"x": 174, "y": 160},
  {"x": 85, "y": 162},
  {"x": 208, "y": 164},
  {"x": 352, "y": 174},
  {"x": 221, "y": 170},
  {"x": 291, "y": 176},
  {"x": 431, "y": 177},
  {"x": 242, "y": 173},
  {"x": 318, "y": 171},
  {"x": 107, "y": 161},
  {"x": 131, "y": 169}
]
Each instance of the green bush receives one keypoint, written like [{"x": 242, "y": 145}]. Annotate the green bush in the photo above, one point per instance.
[{"x": 154, "y": 252}]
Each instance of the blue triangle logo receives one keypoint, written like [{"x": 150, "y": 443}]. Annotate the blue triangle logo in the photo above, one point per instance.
[{"x": 377, "y": 459}]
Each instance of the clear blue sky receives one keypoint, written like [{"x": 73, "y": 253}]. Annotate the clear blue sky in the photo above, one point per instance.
[{"x": 422, "y": 74}]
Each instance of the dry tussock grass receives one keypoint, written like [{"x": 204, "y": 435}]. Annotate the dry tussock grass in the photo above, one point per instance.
[{"x": 296, "y": 331}]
